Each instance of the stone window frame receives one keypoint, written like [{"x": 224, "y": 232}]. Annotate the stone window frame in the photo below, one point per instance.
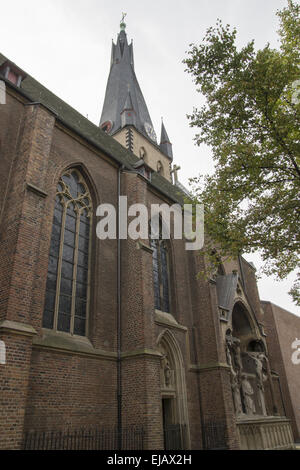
[
  {"x": 156, "y": 245},
  {"x": 80, "y": 203}
]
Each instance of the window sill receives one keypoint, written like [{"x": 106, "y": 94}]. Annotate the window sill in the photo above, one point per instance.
[{"x": 64, "y": 342}]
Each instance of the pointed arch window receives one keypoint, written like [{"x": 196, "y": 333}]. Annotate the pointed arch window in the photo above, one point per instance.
[
  {"x": 161, "y": 273},
  {"x": 68, "y": 279}
]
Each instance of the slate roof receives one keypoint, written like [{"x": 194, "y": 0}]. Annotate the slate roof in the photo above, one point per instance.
[
  {"x": 35, "y": 92},
  {"x": 183, "y": 189},
  {"x": 165, "y": 144},
  {"x": 226, "y": 288},
  {"x": 121, "y": 80}
]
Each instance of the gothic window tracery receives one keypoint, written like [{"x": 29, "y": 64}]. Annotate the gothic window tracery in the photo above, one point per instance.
[
  {"x": 161, "y": 273},
  {"x": 67, "y": 289}
]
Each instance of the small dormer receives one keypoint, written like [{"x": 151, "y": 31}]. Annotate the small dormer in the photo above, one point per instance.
[
  {"x": 128, "y": 114},
  {"x": 12, "y": 73},
  {"x": 107, "y": 126}
]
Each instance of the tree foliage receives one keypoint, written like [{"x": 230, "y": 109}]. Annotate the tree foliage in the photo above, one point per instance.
[{"x": 251, "y": 121}]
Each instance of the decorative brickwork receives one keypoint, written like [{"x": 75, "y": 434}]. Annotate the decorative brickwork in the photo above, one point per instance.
[
  {"x": 176, "y": 378},
  {"x": 129, "y": 139}
]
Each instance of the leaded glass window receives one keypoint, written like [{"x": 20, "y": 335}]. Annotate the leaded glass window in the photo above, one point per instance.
[
  {"x": 160, "y": 260},
  {"x": 68, "y": 279}
]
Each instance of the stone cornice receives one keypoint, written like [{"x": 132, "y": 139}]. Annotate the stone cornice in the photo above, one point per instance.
[
  {"x": 257, "y": 419},
  {"x": 43, "y": 105},
  {"x": 17, "y": 328},
  {"x": 141, "y": 352},
  {"x": 208, "y": 367},
  {"x": 71, "y": 345},
  {"x": 40, "y": 192}
]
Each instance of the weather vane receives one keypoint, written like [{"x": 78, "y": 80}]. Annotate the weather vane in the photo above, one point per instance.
[{"x": 122, "y": 24}]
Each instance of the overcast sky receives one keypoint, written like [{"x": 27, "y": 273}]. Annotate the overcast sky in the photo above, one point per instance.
[{"x": 66, "y": 45}]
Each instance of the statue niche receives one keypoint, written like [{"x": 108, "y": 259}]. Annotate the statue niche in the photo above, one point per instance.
[
  {"x": 248, "y": 364},
  {"x": 167, "y": 372}
]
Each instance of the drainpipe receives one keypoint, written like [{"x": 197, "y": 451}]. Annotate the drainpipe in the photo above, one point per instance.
[{"x": 119, "y": 325}]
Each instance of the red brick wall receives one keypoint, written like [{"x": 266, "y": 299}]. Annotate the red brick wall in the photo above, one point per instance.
[
  {"x": 13, "y": 389},
  {"x": 60, "y": 388},
  {"x": 70, "y": 391},
  {"x": 282, "y": 329}
]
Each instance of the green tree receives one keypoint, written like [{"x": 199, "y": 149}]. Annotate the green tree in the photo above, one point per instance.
[{"x": 251, "y": 121}]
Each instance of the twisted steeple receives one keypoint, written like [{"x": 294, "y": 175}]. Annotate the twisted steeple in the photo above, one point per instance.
[{"x": 123, "y": 91}]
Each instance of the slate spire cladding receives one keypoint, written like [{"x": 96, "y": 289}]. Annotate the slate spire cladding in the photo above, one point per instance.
[
  {"x": 122, "y": 83},
  {"x": 128, "y": 114},
  {"x": 165, "y": 144}
]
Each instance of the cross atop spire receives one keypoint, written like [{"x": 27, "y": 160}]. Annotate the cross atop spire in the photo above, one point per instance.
[{"x": 122, "y": 23}]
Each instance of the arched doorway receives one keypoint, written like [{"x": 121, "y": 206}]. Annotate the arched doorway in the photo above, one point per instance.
[{"x": 173, "y": 394}]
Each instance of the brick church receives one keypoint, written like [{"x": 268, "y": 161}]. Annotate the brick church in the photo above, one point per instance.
[{"x": 117, "y": 343}]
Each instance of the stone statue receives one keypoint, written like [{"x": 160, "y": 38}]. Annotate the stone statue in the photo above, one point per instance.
[
  {"x": 235, "y": 386},
  {"x": 248, "y": 392},
  {"x": 234, "y": 378},
  {"x": 259, "y": 369},
  {"x": 167, "y": 372},
  {"x": 228, "y": 357},
  {"x": 261, "y": 378},
  {"x": 237, "y": 354}
]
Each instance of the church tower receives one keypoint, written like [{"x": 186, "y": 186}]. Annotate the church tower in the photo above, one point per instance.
[{"x": 125, "y": 115}]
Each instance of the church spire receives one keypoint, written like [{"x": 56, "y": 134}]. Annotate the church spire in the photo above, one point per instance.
[
  {"x": 121, "y": 79},
  {"x": 165, "y": 144}
]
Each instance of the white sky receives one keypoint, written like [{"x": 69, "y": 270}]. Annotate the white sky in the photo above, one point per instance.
[{"x": 66, "y": 45}]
